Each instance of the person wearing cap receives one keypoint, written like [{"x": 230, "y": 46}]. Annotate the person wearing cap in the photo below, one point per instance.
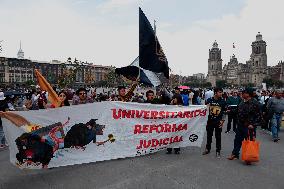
[
  {"x": 249, "y": 117},
  {"x": 3, "y": 107},
  {"x": 275, "y": 107},
  {"x": 217, "y": 106}
]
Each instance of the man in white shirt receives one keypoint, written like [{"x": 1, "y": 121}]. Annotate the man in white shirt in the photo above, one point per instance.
[
  {"x": 263, "y": 97},
  {"x": 208, "y": 94}
]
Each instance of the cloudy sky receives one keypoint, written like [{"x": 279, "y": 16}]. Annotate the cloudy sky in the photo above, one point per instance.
[{"x": 105, "y": 32}]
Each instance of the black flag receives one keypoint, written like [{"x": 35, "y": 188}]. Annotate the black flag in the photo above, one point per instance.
[
  {"x": 133, "y": 71},
  {"x": 151, "y": 55}
]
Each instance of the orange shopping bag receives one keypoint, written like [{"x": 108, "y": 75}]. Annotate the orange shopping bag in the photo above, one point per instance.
[{"x": 250, "y": 150}]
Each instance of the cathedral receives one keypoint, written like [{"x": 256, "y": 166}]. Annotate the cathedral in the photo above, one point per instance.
[{"x": 240, "y": 74}]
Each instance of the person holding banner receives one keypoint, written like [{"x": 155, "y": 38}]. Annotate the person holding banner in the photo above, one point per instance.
[
  {"x": 63, "y": 99},
  {"x": 126, "y": 97},
  {"x": 215, "y": 121},
  {"x": 81, "y": 97},
  {"x": 176, "y": 100},
  {"x": 249, "y": 117}
]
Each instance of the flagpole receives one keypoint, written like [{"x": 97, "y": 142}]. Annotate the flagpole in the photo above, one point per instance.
[
  {"x": 139, "y": 71},
  {"x": 155, "y": 33}
]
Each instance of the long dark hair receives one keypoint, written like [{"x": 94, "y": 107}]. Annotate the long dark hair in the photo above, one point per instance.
[
  {"x": 194, "y": 98},
  {"x": 66, "y": 102},
  {"x": 179, "y": 99}
]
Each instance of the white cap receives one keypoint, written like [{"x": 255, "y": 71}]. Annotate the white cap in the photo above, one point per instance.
[{"x": 2, "y": 96}]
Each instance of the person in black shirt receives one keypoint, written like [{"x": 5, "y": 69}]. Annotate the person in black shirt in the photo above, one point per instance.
[
  {"x": 215, "y": 121},
  {"x": 150, "y": 96},
  {"x": 176, "y": 100},
  {"x": 249, "y": 117}
]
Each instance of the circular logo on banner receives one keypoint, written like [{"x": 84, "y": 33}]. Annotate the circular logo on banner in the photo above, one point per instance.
[{"x": 193, "y": 138}]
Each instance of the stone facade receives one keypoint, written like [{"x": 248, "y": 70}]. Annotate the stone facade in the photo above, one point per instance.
[
  {"x": 214, "y": 64},
  {"x": 19, "y": 71},
  {"x": 239, "y": 74}
]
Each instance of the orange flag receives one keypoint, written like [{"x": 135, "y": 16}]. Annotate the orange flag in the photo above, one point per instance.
[{"x": 45, "y": 86}]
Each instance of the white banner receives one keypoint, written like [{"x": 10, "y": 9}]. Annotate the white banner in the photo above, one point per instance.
[{"x": 100, "y": 131}]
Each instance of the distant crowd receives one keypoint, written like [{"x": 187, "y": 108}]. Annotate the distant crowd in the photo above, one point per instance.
[{"x": 246, "y": 109}]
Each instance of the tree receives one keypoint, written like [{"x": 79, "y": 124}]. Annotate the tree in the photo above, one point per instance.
[
  {"x": 207, "y": 84},
  {"x": 279, "y": 84},
  {"x": 101, "y": 83},
  {"x": 30, "y": 82},
  {"x": 68, "y": 76},
  {"x": 221, "y": 83},
  {"x": 273, "y": 83},
  {"x": 112, "y": 79},
  {"x": 269, "y": 82}
]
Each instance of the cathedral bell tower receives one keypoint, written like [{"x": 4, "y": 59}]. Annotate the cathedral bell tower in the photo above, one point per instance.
[
  {"x": 258, "y": 60},
  {"x": 214, "y": 64}
]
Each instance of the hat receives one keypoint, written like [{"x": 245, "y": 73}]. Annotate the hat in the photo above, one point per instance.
[
  {"x": 2, "y": 97},
  {"x": 248, "y": 90},
  {"x": 92, "y": 122}
]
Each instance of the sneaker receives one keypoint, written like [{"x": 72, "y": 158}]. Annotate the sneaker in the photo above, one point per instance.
[
  {"x": 2, "y": 146},
  {"x": 275, "y": 140},
  {"x": 218, "y": 155},
  {"x": 206, "y": 152},
  {"x": 232, "y": 157}
]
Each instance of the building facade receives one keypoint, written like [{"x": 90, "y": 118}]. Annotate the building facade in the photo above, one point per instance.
[
  {"x": 21, "y": 71},
  {"x": 240, "y": 74}
]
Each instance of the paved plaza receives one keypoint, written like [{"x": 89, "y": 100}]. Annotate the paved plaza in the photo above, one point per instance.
[{"x": 188, "y": 170}]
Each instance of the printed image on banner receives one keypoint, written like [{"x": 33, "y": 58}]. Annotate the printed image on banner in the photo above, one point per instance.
[{"x": 99, "y": 131}]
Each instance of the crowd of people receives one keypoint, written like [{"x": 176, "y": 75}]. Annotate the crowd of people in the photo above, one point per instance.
[{"x": 246, "y": 109}]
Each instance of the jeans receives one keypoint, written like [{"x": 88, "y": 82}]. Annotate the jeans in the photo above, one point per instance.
[
  {"x": 242, "y": 133},
  {"x": 232, "y": 117},
  {"x": 276, "y": 124},
  {"x": 210, "y": 127}
]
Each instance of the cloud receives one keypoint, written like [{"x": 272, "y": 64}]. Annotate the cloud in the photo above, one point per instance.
[
  {"x": 55, "y": 31},
  {"x": 187, "y": 49},
  {"x": 108, "y": 33},
  {"x": 112, "y": 5}
]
